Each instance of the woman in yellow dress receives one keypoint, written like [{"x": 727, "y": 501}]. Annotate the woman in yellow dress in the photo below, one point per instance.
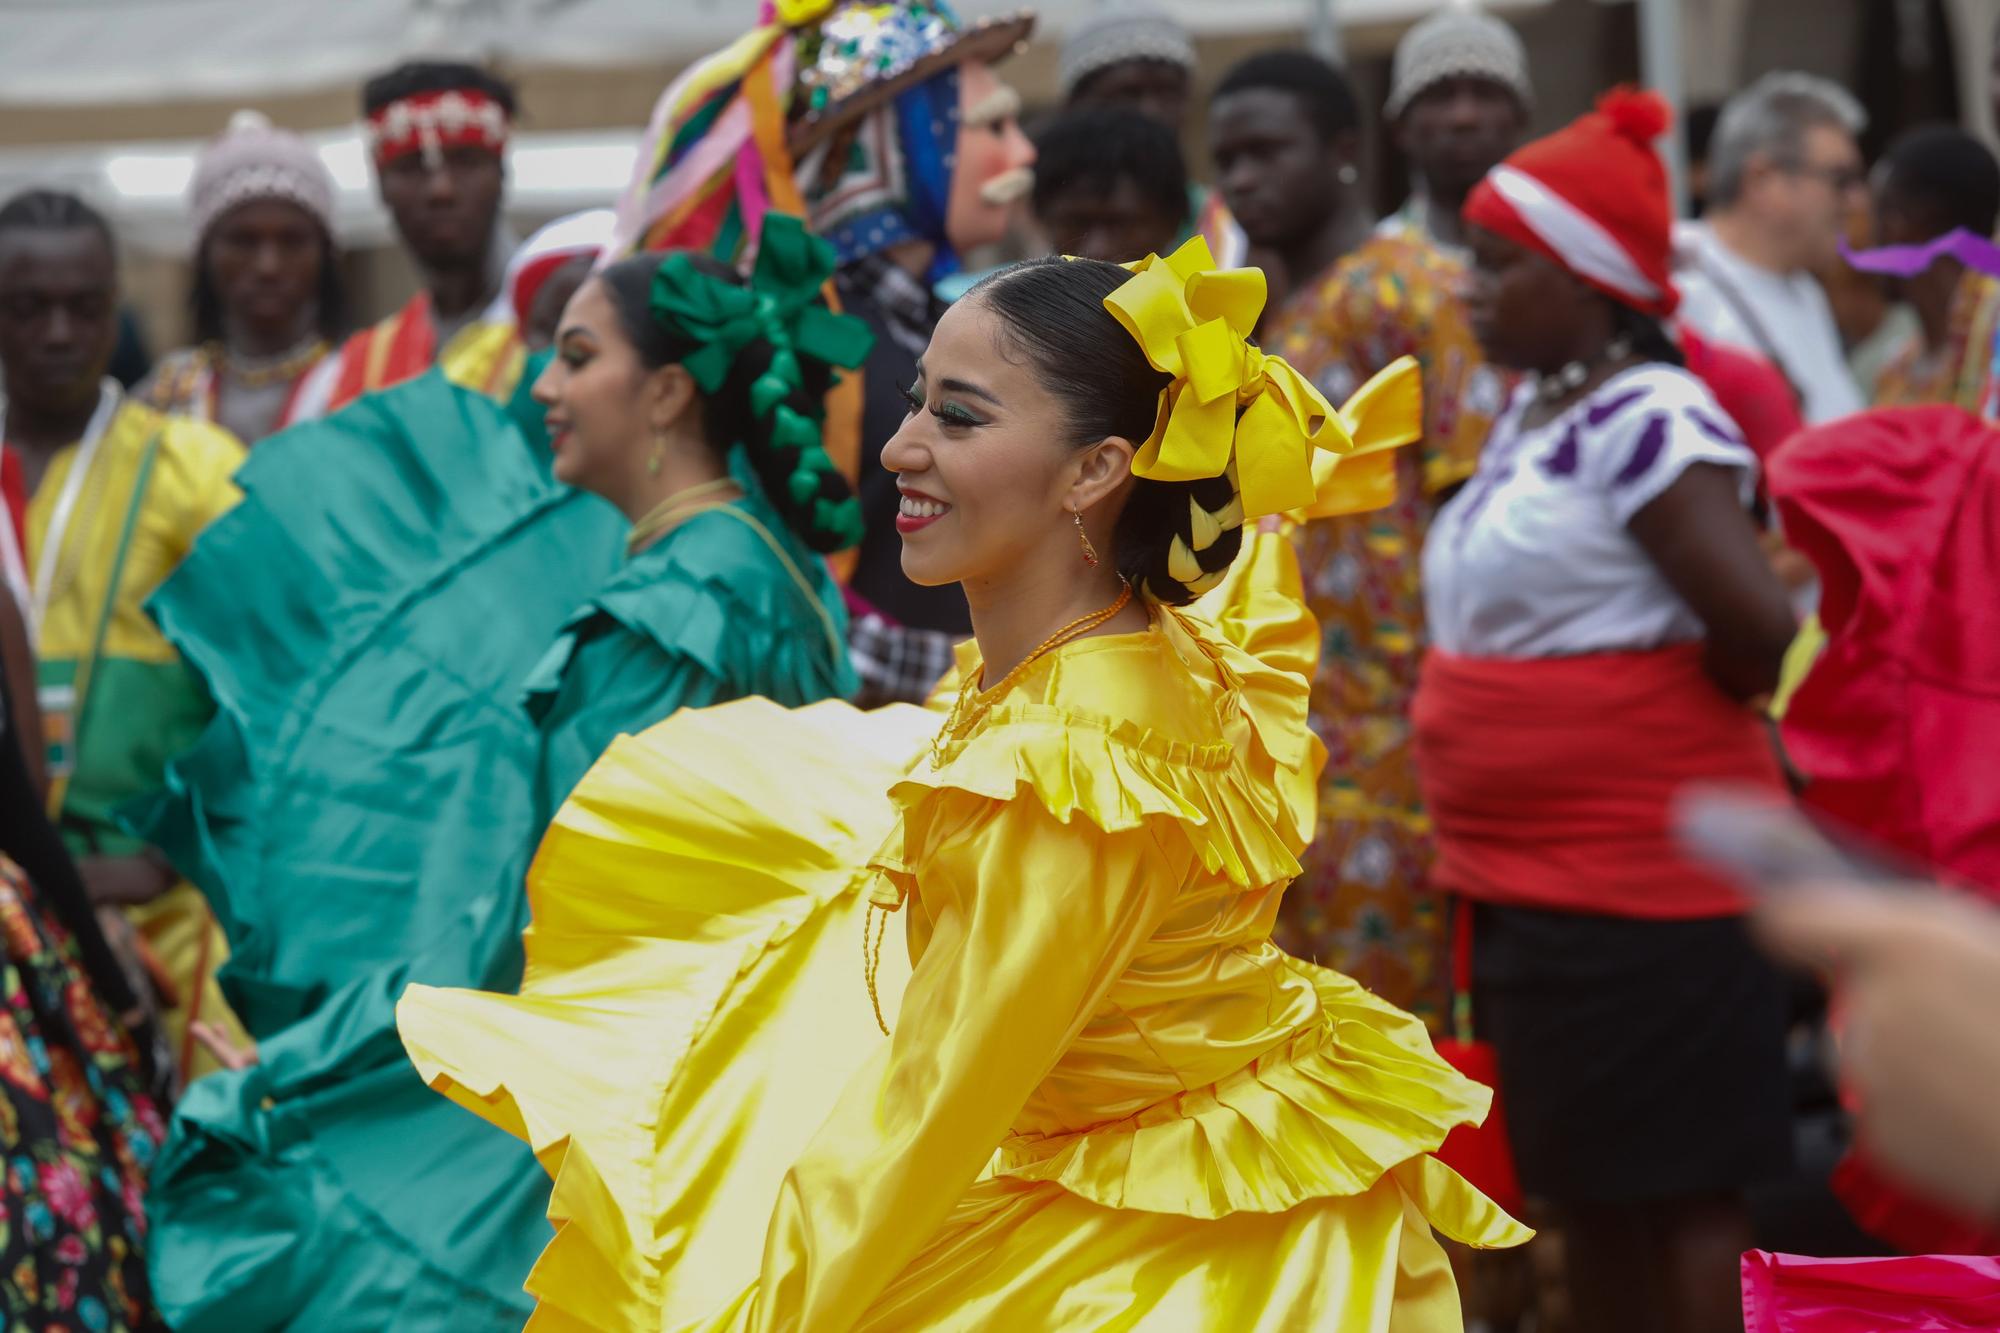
[{"x": 1108, "y": 1101}]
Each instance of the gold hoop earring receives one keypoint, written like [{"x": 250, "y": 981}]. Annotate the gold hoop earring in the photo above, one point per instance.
[
  {"x": 657, "y": 459},
  {"x": 1089, "y": 551}
]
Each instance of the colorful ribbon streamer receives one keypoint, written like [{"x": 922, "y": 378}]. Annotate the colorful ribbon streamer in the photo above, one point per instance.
[{"x": 1907, "y": 261}]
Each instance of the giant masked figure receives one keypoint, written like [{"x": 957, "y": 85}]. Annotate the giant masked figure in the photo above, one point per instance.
[{"x": 887, "y": 127}]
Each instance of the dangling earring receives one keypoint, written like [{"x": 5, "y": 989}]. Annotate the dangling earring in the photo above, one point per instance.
[
  {"x": 658, "y": 457},
  {"x": 1089, "y": 551}
]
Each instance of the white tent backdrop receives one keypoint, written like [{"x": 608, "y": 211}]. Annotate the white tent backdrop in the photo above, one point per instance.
[
  {"x": 141, "y": 53},
  {"x": 145, "y": 185},
  {"x": 55, "y": 52}
]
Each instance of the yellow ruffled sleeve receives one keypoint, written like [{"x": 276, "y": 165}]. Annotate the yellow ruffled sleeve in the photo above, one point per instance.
[
  {"x": 1029, "y": 922},
  {"x": 1260, "y": 606}
]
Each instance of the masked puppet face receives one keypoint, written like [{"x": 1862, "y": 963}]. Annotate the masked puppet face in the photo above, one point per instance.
[{"x": 994, "y": 163}]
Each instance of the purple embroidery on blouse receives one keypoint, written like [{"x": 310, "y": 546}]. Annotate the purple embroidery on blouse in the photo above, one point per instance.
[
  {"x": 1562, "y": 463},
  {"x": 1652, "y": 439},
  {"x": 1496, "y": 469},
  {"x": 1471, "y": 508},
  {"x": 1715, "y": 430},
  {"x": 1599, "y": 413}
]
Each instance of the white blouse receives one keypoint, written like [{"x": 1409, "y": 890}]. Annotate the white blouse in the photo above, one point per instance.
[{"x": 1532, "y": 557}]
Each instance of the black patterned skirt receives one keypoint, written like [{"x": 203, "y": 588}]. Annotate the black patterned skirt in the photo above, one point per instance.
[{"x": 78, "y": 1131}]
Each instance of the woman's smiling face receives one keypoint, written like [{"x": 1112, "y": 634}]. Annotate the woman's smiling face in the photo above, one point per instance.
[
  {"x": 592, "y": 393},
  {"x": 984, "y": 460}
]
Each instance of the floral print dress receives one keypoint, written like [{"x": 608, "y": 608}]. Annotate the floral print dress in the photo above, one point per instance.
[
  {"x": 78, "y": 1131},
  {"x": 1363, "y": 904}
]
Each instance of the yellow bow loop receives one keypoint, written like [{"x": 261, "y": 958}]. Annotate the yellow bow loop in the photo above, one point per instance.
[
  {"x": 1388, "y": 411},
  {"x": 798, "y": 13},
  {"x": 1380, "y": 417},
  {"x": 1193, "y": 322},
  {"x": 1232, "y": 295}
]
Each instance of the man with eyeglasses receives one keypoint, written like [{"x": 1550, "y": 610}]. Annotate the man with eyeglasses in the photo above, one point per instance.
[{"x": 1784, "y": 169}]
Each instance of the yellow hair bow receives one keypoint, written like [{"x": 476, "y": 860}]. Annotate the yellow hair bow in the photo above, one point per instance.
[
  {"x": 798, "y": 13},
  {"x": 1380, "y": 417},
  {"x": 1194, "y": 321}
]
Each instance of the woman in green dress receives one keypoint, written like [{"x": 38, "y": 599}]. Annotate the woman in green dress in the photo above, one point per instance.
[
  {"x": 386, "y": 757},
  {"x": 681, "y": 622}
]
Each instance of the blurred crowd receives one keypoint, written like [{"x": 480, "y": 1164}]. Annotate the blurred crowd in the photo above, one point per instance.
[{"x": 1669, "y": 1105}]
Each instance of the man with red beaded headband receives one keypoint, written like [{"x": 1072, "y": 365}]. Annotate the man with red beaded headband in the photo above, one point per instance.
[{"x": 437, "y": 131}]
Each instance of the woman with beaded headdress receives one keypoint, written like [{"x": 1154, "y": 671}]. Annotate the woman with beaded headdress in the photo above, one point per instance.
[
  {"x": 367, "y": 822},
  {"x": 267, "y": 300},
  {"x": 1103, "y": 1099}
]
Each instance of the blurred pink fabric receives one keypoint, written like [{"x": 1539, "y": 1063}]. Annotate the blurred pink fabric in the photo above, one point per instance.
[{"x": 1935, "y": 1293}]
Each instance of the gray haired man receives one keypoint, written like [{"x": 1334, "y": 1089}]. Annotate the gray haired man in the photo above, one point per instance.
[{"x": 1784, "y": 170}]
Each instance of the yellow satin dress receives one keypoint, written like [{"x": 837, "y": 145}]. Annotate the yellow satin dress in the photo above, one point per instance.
[{"x": 1109, "y": 1101}]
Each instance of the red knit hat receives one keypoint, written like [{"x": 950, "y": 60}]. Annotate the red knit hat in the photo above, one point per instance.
[{"x": 1593, "y": 197}]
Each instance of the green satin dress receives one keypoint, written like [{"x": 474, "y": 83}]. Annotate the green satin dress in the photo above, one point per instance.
[{"x": 418, "y": 642}]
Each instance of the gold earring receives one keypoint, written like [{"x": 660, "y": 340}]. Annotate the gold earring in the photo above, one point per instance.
[
  {"x": 1089, "y": 551},
  {"x": 659, "y": 455}
]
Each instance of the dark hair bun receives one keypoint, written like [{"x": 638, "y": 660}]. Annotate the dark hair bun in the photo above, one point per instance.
[{"x": 1147, "y": 540}]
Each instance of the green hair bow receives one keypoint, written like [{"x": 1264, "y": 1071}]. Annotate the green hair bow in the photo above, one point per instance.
[{"x": 780, "y": 304}]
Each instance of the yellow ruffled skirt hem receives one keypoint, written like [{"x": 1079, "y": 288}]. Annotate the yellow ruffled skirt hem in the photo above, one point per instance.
[
  {"x": 694, "y": 1003},
  {"x": 1014, "y": 1255}
]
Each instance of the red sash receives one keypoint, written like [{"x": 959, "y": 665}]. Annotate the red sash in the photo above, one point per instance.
[
  {"x": 1551, "y": 781},
  {"x": 398, "y": 348},
  {"x": 14, "y": 494}
]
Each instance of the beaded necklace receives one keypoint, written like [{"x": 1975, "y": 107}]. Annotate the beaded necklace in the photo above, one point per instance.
[
  {"x": 973, "y": 702},
  {"x": 1558, "y": 384},
  {"x": 258, "y": 372}
]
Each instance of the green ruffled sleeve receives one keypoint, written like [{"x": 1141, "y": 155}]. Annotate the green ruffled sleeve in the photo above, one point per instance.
[
  {"x": 713, "y": 612},
  {"x": 602, "y": 682}
]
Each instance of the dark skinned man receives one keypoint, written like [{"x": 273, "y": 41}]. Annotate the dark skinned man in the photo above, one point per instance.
[
  {"x": 268, "y": 301},
  {"x": 1458, "y": 103},
  {"x": 1109, "y": 184},
  {"x": 1285, "y": 131},
  {"x": 438, "y": 132},
  {"x": 1133, "y": 54},
  {"x": 115, "y": 494},
  {"x": 1932, "y": 181}
]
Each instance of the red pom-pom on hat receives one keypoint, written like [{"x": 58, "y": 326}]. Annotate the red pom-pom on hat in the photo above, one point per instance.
[
  {"x": 1593, "y": 197},
  {"x": 1639, "y": 114}
]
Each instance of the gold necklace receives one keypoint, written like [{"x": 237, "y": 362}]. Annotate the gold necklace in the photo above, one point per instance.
[
  {"x": 251, "y": 373},
  {"x": 962, "y": 716},
  {"x": 664, "y": 515}
]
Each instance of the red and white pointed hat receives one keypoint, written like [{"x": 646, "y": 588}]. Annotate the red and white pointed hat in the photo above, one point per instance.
[{"x": 1593, "y": 197}]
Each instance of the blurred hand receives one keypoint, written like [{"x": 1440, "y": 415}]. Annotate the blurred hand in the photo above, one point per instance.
[
  {"x": 1793, "y": 570},
  {"x": 226, "y": 1052},
  {"x": 124, "y": 881},
  {"x": 1919, "y": 983}
]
